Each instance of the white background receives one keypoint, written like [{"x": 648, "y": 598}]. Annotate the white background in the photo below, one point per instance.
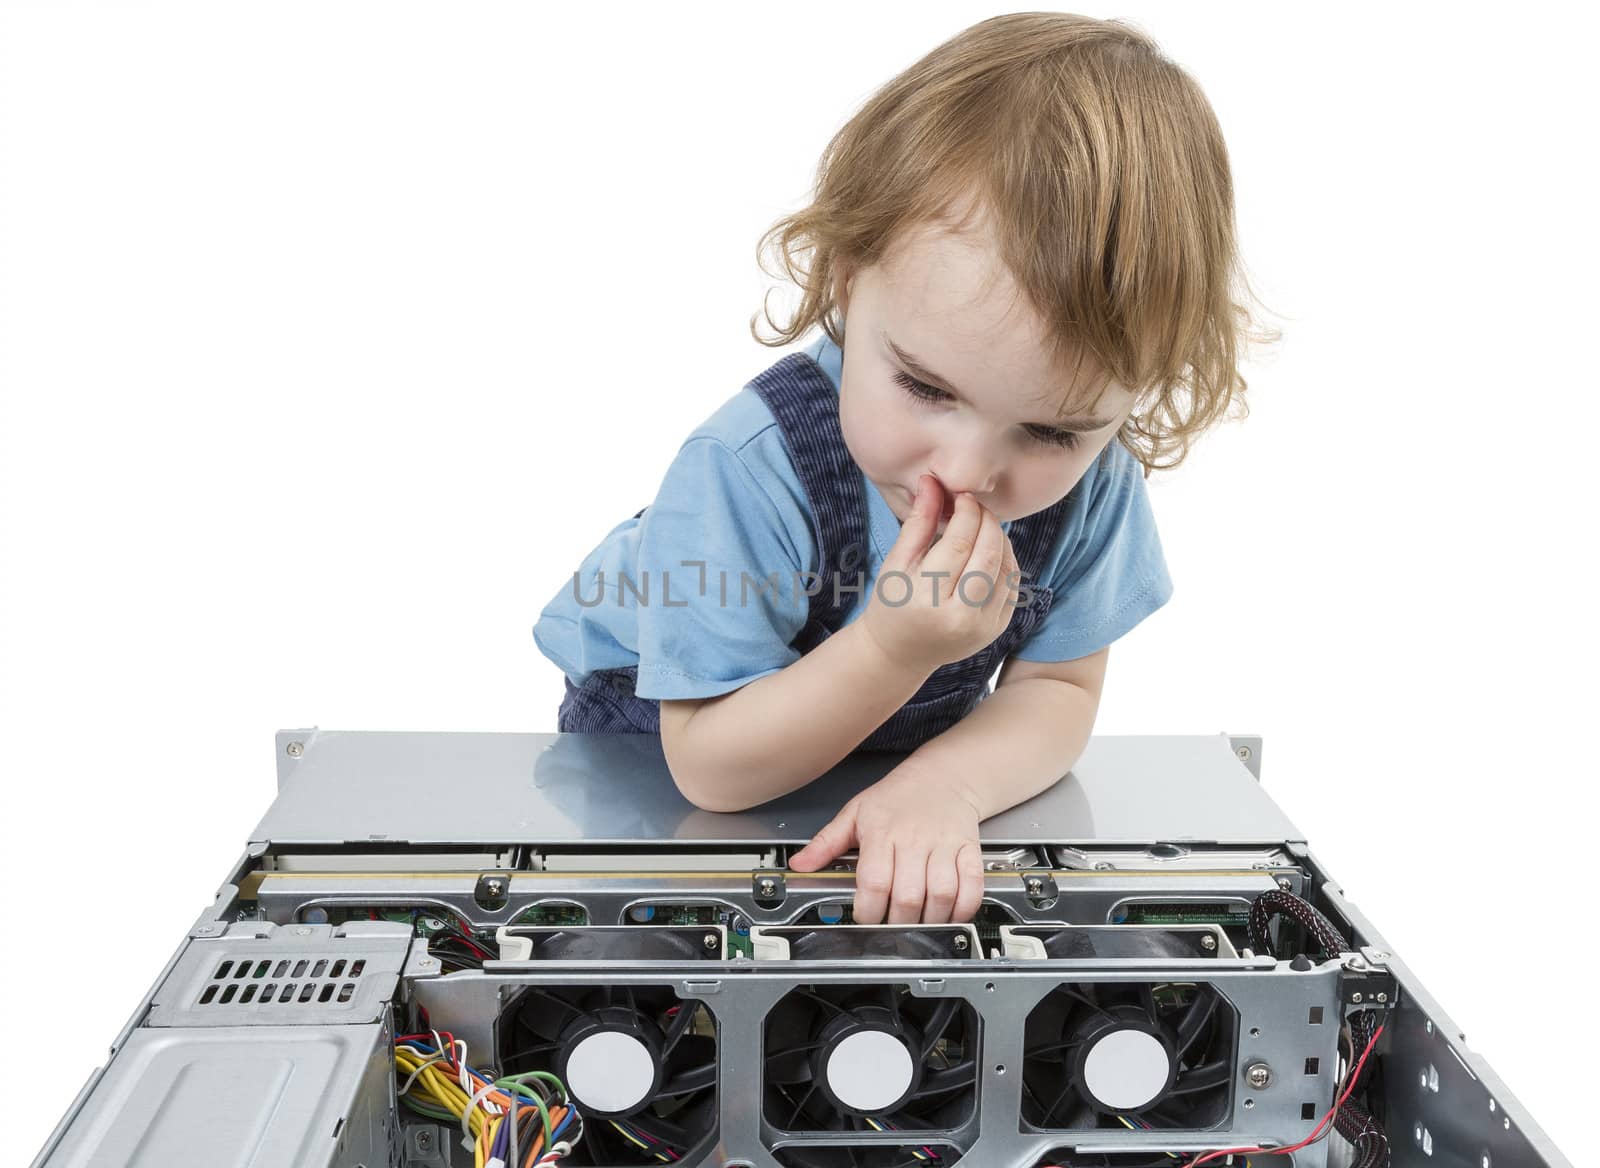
[{"x": 333, "y": 337}]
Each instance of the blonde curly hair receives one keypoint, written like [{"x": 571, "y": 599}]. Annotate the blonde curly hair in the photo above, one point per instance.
[{"x": 1101, "y": 169}]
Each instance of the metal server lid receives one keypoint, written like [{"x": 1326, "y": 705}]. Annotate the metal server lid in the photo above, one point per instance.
[{"x": 338, "y": 786}]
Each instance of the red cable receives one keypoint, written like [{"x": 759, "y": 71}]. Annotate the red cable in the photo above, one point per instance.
[{"x": 1316, "y": 1133}]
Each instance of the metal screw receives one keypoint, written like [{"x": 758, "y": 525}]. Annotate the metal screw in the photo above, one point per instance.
[
  {"x": 1285, "y": 883},
  {"x": 1258, "y": 1075},
  {"x": 303, "y": 931},
  {"x": 425, "y": 962},
  {"x": 1244, "y": 753},
  {"x": 1380, "y": 998},
  {"x": 1208, "y": 942},
  {"x": 1356, "y": 963},
  {"x": 960, "y": 942},
  {"x": 295, "y": 749},
  {"x": 1035, "y": 885},
  {"x": 710, "y": 941},
  {"x": 768, "y": 887},
  {"x": 1355, "y": 998},
  {"x": 1104, "y": 866},
  {"x": 424, "y": 1140}
]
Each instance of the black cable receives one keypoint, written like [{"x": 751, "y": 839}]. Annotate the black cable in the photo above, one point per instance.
[{"x": 1280, "y": 903}]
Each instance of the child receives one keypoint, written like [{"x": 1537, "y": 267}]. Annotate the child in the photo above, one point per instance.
[{"x": 1021, "y": 258}]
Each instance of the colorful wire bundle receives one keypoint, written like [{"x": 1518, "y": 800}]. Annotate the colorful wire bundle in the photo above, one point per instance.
[
  {"x": 647, "y": 1142},
  {"x": 492, "y": 1112}
]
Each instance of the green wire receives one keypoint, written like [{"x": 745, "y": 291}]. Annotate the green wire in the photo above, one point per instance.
[{"x": 515, "y": 1082}]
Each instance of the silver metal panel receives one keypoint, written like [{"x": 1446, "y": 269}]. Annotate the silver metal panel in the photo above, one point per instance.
[
  {"x": 258, "y": 1095},
  {"x": 1270, "y": 1028},
  {"x": 366, "y": 786},
  {"x": 262, "y": 974}
]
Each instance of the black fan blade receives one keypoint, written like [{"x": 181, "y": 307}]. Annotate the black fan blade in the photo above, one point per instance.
[
  {"x": 1147, "y": 998},
  {"x": 799, "y": 1108},
  {"x": 786, "y": 1067},
  {"x": 680, "y": 1024},
  {"x": 531, "y": 1017},
  {"x": 693, "y": 1079},
  {"x": 1195, "y": 1018},
  {"x": 1201, "y": 1078},
  {"x": 517, "y": 1055},
  {"x": 811, "y": 995},
  {"x": 934, "y": 1030},
  {"x": 660, "y": 1129},
  {"x": 1051, "y": 1051},
  {"x": 963, "y": 1074},
  {"x": 1049, "y": 1112}
]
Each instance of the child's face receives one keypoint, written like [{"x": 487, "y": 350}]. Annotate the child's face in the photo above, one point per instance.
[{"x": 941, "y": 314}]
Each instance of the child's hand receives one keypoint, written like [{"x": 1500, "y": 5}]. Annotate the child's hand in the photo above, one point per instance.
[
  {"x": 943, "y": 620},
  {"x": 917, "y": 844}
]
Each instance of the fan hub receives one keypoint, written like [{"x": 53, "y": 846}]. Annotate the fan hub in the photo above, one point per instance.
[
  {"x": 611, "y": 1072},
  {"x": 869, "y": 1071},
  {"x": 1126, "y": 1067}
]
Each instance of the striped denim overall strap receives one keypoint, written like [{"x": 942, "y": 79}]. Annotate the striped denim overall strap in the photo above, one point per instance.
[{"x": 804, "y": 402}]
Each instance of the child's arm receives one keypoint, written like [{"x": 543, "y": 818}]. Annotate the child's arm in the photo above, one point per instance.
[
  {"x": 916, "y": 829},
  {"x": 781, "y": 731}
]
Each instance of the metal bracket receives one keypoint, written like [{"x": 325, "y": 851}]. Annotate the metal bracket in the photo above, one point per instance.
[
  {"x": 493, "y": 891},
  {"x": 768, "y": 888},
  {"x": 292, "y": 746},
  {"x": 1366, "y": 985},
  {"x": 427, "y": 1145},
  {"x": 1247, "y": 749},
  {"x": 1040, "y": 887}
]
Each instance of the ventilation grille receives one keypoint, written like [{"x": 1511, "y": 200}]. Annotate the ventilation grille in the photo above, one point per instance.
[
  {"x": 284, "y": 982},
  {"x": 260, "y": 974}
]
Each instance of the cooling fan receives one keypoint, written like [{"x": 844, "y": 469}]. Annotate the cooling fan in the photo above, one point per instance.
[
  {"x": 640, "y": 1063},
  {"x": 851, "y": 1057},
  {"x": 1156, "y": 1055}
]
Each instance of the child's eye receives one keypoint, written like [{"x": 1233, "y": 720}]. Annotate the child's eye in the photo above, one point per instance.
[
  {"x": 1049, "y": 435},
  {"x": 1068, "y": 439},
  {"x": 918, "y": 389}
]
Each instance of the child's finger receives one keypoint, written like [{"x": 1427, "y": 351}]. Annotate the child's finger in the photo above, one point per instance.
[
  {"x": 917, "y": 531},
  {"x": 943, "y": 884},
  {"x": 910, "y": 885},
  {"x": 831, "y": 842},
  {"x": 874, "y": 877},
  {"x": 1008, "y": 586},
  {"x": 969, "y": 869},
  {"x": 955, "y": 546},
  {"x": 986, "y": 561}
]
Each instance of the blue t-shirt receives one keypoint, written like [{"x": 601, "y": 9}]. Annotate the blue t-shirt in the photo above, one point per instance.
[{"x": 705, "y": 591}]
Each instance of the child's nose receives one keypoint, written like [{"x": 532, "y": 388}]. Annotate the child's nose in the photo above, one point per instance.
[{"x": 969, "y": 471}]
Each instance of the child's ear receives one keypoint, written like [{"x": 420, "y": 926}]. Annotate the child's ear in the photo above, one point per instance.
[{"x": 843, "y": 274}]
